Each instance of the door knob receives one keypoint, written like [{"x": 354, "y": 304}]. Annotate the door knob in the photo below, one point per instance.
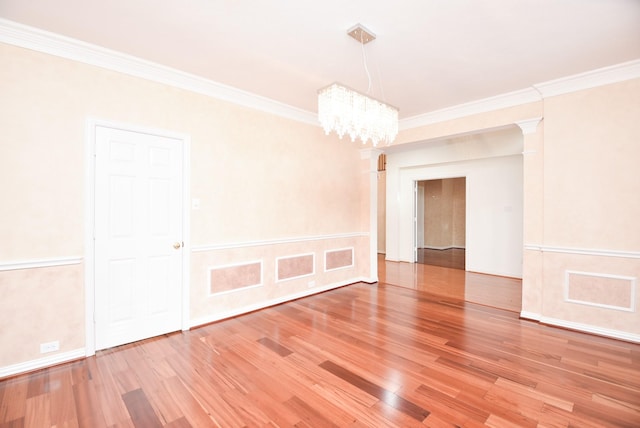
[{"x": 177, "y": 245}]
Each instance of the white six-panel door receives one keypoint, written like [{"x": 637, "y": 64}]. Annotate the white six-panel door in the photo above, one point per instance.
[{"x": 138, "y": 236}]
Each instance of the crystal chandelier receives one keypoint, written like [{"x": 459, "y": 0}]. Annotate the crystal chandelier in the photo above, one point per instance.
[{"x": 346, "y": 111}]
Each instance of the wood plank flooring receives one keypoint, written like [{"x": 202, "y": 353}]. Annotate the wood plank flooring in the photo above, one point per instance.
[
  {"x": 496, "y": 291},
  {"x": 360, "y": 356},
  {"x": 451, "y": 257}
]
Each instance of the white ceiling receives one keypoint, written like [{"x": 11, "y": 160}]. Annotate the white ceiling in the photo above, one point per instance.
[{"x": 428, "y": 55}]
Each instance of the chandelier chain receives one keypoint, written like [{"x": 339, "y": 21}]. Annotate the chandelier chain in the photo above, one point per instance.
[
  {"x": 366, "y": 69},
  {"x": 346, "y": 111}
]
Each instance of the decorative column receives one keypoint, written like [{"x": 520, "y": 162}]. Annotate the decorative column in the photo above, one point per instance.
[
  {"x": 533, "y": 221},
  {"x": 372, "y": 155}
]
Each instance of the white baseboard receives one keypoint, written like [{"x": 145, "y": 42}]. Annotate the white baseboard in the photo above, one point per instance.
[
  {"x": 516, "y": 275},
  {"x": 530, "y": 316},
  {"x": 262, "y": 305},
  {"x": 41, "y": 363},
  {"x": 584, "y": 328}
]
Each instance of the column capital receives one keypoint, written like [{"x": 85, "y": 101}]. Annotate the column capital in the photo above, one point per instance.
[
  {"x": 529, "y": 126},
  {"x": 370, "y": 153}
]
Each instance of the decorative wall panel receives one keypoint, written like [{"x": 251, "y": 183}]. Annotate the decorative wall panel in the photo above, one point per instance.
[
  {"x": 294, "y": 266},
  {"x": 598, "y": 289},
  {"x": 233, "y": 277},
  {"x": 338, "y": 259}
]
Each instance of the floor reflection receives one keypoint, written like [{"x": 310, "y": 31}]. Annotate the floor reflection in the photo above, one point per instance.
[
  {"x": 495, "y": 291},
  {"x": 451, "y": 257}
]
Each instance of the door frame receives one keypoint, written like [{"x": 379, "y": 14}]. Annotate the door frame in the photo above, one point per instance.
[
  {"x": 416, "y": 209},
  {"x": 419, "y": 211},
  {"x": 89, "y": 219}
]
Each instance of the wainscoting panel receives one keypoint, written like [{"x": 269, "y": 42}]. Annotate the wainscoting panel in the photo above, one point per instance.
[
  {"x": 39, "y": 305},
  {"x": 338, "y": 259},
  {"x": 233, "y": 278},
  {"x": 594, "y": 290},
  {"x": 295, "y": 266},
  {"x": 229, "y": 278},
  {"x": 602, "y": 290}
]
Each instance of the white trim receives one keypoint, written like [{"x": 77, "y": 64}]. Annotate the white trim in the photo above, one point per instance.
[
  {"x": 186, "y": 229},
  {"x": 265, "y": 304},
  {"x": 530, "y": 316},
  {"x": 632, "y": 289},
  {"x": 353, "y": 261},
  {"x": 586, "y": 328},
  {"x": 590, "y": 79},
  {"x": 89, "y": 212},
  {"x": 65, "y": 47},
  {"x": 295, "y": 256},
  {"x": 235, "y": 290},
  {"x": 583, "y": 251},
  {"x": 40, "y": 263},
  {"x": 40, "y": 363},
  {"x": 89, "y": 235},
  {"x": 233, "y": 245},
  {"x": 371, "y": 153},
  {"x": 529, "y": 126},
  {"x": 493, "y": 272},
  {"x": 580, "y": 327},
  {"x": 252, "y": 262},
  {"x": 511, "y": 99},
  {"x": 537, "y": 92}
]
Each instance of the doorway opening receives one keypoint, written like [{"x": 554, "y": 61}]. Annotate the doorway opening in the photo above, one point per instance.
[{"x": 441, "y": 222}]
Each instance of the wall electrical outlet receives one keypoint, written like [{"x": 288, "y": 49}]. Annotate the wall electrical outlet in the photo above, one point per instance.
[{"x": 49, "y": 347}]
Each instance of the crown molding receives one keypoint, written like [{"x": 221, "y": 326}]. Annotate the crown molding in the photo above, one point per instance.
[
  {"x": 590, "y": 79},
  {"x": 65, "y": 47},
  {"x": 24, "y": 36},
  {"x": 497, "y": 102}
]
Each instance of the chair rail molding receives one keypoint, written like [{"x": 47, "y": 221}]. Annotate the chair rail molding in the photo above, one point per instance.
[{"x": 41, "y": 263}]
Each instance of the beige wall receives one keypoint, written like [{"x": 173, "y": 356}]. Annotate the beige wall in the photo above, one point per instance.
[
  {"x": 581, "y": 205},
  {"x": 591, "y": 155},
  {"x": 259, "y": 177},
  {"x": 591, "y": 201},
  {"x": 263, "y": 178}
]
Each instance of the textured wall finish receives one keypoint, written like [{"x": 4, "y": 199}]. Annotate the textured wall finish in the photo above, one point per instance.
[
  {"x": 295, "y": 266},
  {"x": 337, "y": 259},
  {"x": 256, "y": 177},
  {"x": 229, "y": 278},
  {"x": 609, "y": 291}
]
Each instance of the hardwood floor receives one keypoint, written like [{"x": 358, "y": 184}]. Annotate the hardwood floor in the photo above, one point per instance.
[
  {"x": 496, "y": 291},
  {"x": 450, "y": 258},
  {"x": 360, "y": 356}
]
